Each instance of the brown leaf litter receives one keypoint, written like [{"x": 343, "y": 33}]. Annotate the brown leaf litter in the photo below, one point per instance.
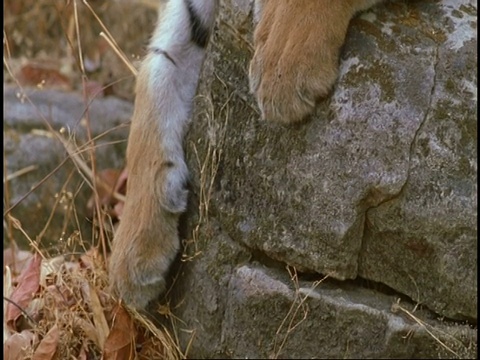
[{"x": 59, "y": 309}]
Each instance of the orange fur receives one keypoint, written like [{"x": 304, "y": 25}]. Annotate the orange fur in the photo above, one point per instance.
[{"x": 297, "y": 45}]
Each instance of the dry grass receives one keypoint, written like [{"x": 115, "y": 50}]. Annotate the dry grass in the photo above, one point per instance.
[
  {"x": 396, "y": 308},
  {"x": 297, "y": 313}
]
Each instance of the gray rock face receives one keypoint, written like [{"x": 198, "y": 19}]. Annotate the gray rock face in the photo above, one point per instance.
[
  {"x": 382, "y": 182},
  {"x": 380, "y": 186},
  {"x": 424, "y": 241},
  {"x": 323, "y": 323},
  {"x": 437, "y": 209},
  {"x": 232, "y": 306}
]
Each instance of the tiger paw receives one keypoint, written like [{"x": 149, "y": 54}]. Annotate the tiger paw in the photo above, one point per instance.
[
  {"x": 144, "y": 248},
  {"x": 296, "y": 57}
]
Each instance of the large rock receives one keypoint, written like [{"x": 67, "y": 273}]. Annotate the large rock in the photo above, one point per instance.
[
  {"x": 382, "y": 182},
  {"x": 379, "y": 187}
]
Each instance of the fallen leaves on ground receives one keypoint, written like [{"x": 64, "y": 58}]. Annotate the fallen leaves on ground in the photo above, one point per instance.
[
  {"x": 120, "y": 344},
  {"x": 60, "y": 309},
  {"x": 16, "y": 259},
  {"x": 18, "y": 345},
  {"x": 28, "y": 284},
  {"x": 48, "y": 346}
]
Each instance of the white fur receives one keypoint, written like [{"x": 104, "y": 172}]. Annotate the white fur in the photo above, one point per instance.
[{"x": 174, "y": 86}]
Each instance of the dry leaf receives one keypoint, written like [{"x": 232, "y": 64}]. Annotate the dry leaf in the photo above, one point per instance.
[
  {"x": 61, "y": 296},
  {"x": 28, "y": 284},
  {"x": 48, "y": 346},
  {"x": 121, "y": 185},
  {"x": 98, "y": 316},
  {"x": 18, "y": 346},
  {"x": 120, "y": 344},
  {"x": 7, "y": 291},
  {"x": 94, "y": 89},
  {"x": 83, "y": 352},
  {"x": 35, "y": 309},
  {"x": 92, "y": 259}
]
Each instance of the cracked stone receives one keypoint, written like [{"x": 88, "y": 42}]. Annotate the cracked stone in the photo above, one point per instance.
[
  {"x": 381, "y": 183},
  {"x": 426, "y": 240},
  {"x": 354, "y": 192}
]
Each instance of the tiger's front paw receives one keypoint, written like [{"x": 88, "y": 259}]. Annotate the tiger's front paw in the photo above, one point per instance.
[
  {"x": 145, "y": 245},
  {"x": 130, "y": 283},
  {"x": 146, "y": 241},
  {"x": 297, "y": 46}
]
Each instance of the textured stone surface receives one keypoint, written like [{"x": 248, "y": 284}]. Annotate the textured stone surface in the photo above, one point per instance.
[
  {"x": 228, "y": 304},
  {"x": 326, "y": 322},
  {"x": 382, "y": 182},
  {"x": 424, "y": 241}
]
